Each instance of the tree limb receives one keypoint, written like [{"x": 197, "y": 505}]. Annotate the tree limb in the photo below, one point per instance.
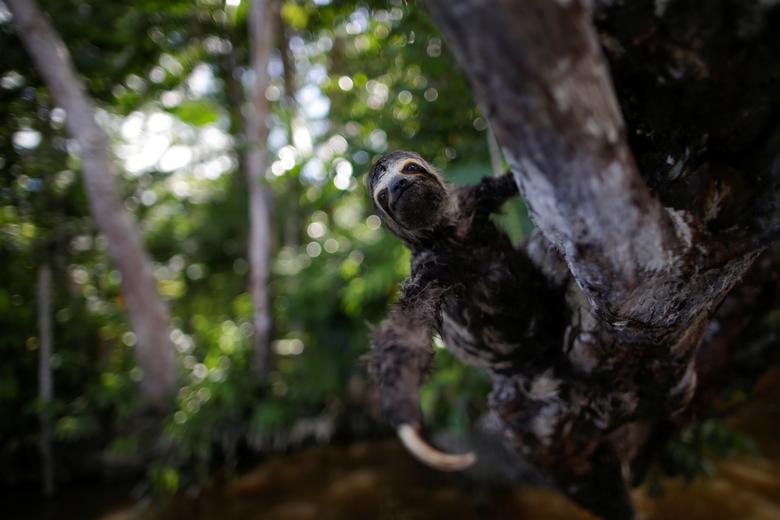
[
  {"x": 643, "y": 289},
  {"x": 538, "y": 72}
]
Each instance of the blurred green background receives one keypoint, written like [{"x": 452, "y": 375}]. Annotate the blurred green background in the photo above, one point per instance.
[{"x": 350, "y": 80}]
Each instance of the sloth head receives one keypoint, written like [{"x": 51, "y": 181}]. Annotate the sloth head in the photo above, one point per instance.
[{"x": 408, "y": 194}]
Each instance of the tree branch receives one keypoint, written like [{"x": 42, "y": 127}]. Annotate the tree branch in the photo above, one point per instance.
[
  {"x": 538, "y": 72},
  {"x": 643, "y": 289}
]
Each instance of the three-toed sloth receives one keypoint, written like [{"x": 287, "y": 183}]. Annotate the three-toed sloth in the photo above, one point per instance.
[{"x": 467, "y": 282}]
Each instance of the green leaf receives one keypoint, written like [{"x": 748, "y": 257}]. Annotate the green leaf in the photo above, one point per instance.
[
  {"x": 198, "y": 112},
  {"x": 295, "y": 15},
  {"x": 267, "y": 416}
]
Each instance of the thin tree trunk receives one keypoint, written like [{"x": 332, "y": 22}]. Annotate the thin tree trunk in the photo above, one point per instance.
[
  {"x": 45, "y": 378},
  {"x": 148, "y": 313},
  {"x": 292, "y": 224},
  {"x": 261, "y": 27}
]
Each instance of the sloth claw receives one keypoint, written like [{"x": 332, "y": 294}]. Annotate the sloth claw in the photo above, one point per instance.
[{"x": 429, "y": 455}]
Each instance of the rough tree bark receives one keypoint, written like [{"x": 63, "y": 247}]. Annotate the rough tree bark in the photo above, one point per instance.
[
  {"x": 148, "y": 313},
  {"x": 45, "y": 377},
  {"x": 262, "y": 17},
  {"x": 646, "y": 255}
]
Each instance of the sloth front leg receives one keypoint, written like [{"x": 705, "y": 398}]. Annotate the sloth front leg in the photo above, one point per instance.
[
  {"x": 400, "y": 360},
  {"x": 489, "y": 194}
]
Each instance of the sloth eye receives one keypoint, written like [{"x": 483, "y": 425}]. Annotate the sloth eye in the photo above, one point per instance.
[
  {"x": 412, "y": 168},
  {"x": 382, "y": 196}
]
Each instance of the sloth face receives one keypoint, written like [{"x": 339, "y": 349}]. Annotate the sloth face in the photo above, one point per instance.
[{"x": 407, "y": 192}]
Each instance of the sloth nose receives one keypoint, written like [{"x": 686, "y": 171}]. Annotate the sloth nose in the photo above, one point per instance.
[{"x": 398, "y": 186}]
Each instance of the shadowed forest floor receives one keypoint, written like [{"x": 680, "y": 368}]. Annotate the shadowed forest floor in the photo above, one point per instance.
[{"x": 378, "y": 479}]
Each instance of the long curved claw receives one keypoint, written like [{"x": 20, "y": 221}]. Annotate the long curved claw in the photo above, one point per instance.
[{"x": 429, "y": 455}]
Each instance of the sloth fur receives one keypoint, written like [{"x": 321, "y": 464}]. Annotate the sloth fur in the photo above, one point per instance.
[{"x": 467, "y": 282}]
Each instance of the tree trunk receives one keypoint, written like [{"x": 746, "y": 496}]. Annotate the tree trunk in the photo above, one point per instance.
[
  {"x": 292, "y": 224},
  {"x": 45, "y": 378},
  {"x": 262, "y": 15},
  {"x": 646, "y": 256},
  {"x": 148, "y": 313}
]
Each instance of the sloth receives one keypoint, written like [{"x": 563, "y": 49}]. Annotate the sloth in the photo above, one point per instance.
[{"x": 467, "y": 283}]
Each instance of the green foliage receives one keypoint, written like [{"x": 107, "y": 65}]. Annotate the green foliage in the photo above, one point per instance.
[
  {"x": 349, "y": 81},
  {"x": 164, "y": 478},
  {"x": 454, "y": 395},
  {"x": 168, "y": 78},
  {"x": 695, "y": 449},
  {"x": 197, "y": 112}
]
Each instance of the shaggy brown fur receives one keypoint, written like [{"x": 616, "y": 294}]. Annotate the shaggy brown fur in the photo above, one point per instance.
[{"x": 467, "y": 282}]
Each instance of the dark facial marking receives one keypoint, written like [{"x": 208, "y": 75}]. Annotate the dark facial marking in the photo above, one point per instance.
[
  {"x": 381, "y": 199},
  {"x": 413, "y": 168}
]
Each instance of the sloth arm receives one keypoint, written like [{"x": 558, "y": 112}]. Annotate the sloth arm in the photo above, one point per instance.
[
  {"x": 488, "y": 194},
  {"x": 402, "y": 351}
]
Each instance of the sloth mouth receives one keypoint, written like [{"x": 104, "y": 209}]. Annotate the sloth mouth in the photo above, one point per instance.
[{"x": 417, "y": 210}]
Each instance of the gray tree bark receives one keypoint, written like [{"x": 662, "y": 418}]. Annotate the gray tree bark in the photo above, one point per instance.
[
  {"x": 262, "y": 16},
  {"x": 45, "y": 378},
  {"x": 645, "y": 257},
  {"x": 148, "y": 313}
]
